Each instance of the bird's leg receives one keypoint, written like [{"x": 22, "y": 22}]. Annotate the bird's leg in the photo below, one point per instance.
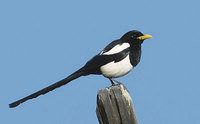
[
  {"x": 111, "y": 80},
  {"x": 116, "y": 81}
]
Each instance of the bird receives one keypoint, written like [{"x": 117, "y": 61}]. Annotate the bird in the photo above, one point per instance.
[{"x": 116, "y": 60}]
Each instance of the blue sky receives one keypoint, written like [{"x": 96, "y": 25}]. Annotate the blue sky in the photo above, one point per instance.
[{"x": 43, "y": 41}]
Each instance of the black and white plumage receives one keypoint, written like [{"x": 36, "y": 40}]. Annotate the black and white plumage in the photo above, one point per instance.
[{"x": 115, "y": 60}]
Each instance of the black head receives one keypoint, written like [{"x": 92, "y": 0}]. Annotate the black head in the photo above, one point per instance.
[{"x": 135, "y": 37}]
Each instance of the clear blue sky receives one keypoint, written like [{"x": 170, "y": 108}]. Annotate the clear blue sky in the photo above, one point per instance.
[{"x": 43, "y": 41}]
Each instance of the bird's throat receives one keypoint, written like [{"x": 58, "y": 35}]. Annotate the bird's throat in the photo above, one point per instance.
[{"x": 135, "y": 47}]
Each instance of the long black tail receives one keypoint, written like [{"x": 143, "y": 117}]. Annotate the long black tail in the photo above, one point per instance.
[{"x": 49, "y": 88}]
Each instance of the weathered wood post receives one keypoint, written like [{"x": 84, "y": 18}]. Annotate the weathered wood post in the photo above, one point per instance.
[{"x": 114, "y": 106}]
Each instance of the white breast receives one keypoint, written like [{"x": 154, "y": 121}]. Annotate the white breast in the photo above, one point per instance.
[
  {"x": 118, "y": 69},
  {"x": 116, "y": 49}
]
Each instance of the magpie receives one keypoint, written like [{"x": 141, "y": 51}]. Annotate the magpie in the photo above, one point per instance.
[{"x": 117, "y": 59}]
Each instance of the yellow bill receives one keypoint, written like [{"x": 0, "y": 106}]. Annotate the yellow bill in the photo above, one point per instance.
[{"x": 146, "y": 36}]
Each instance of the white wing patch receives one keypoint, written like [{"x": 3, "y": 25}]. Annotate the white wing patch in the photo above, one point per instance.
[
  {"x": 116, "y": 49},
  {"x": 117, "y": 69}
]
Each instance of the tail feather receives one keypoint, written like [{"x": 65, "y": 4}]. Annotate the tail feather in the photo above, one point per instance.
[{"x": 73, "y": 76}]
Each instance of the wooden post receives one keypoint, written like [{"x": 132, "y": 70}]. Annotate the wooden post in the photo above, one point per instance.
[{"x": 114, "y": 106}]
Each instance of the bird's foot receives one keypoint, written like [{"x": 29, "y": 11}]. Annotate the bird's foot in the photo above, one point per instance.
[
  {"x": 112, "y": 81},
  {"x": 117, "y": 81}
]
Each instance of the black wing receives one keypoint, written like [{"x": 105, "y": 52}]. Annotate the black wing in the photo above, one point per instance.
[
  {"x": 93, "y": 65},
  {"x": 111, "y": 45}
]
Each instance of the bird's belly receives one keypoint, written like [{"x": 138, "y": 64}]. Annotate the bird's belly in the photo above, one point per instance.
[{"x": 117, "y": 69}]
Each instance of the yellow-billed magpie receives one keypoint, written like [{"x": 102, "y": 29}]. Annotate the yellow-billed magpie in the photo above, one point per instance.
[{"x": 115, "y": 60}]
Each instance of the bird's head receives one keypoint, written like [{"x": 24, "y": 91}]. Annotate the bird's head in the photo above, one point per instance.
[{"x": 135, "y": 37}]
